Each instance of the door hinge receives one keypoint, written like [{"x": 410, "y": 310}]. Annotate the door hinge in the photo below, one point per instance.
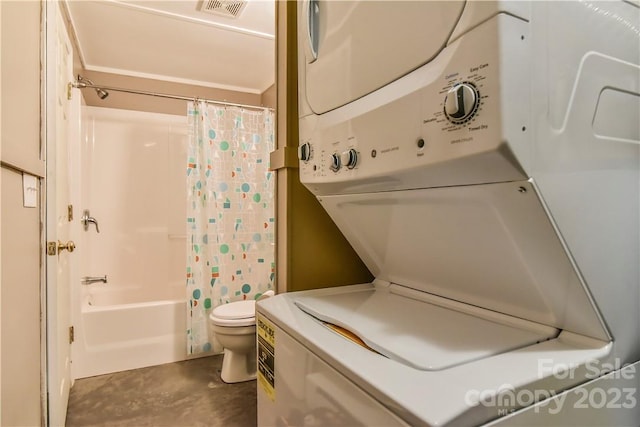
[
  {"x": 52, "y": 248},
  {"x": 71, "y": 335},
  {"x": 70, "y": 213}
]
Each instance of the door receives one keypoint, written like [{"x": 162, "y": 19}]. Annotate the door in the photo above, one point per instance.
[{"x": 59, "y": 216}]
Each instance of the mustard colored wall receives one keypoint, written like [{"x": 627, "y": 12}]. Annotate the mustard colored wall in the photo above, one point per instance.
[
  {"x": 319, "y": 255},
  {"x": 312, "y": 252},
  {"x": 20, "y": 237}
]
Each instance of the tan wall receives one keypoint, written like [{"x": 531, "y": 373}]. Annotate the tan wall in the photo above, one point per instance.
[
  {"x": 152, "y": 104},
  {"x": 312, "y": 252},
  {"x": 21, "y": 85},
  {"x": 20, "y": 306},
  {"x": 20, "y": 248},
  {"x": 269, "y": 97}
]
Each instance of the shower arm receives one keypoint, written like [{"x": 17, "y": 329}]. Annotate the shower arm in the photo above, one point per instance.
[{"x": 82, "y": 83}]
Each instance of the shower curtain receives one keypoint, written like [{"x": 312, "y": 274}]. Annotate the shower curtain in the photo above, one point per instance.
[{"x": 230, "y": 212}]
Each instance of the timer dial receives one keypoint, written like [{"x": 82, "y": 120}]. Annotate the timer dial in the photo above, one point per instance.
[{"x": 461, "y": 103}]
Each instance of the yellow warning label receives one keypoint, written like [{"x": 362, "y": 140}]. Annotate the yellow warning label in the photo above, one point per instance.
[{"x": 266, "y": 357}]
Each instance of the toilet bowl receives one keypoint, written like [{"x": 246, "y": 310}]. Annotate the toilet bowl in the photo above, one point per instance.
[{"x": 234, "y": 325}]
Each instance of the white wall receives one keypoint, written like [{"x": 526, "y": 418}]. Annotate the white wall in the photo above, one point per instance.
[{"x": 133, "y": 181}]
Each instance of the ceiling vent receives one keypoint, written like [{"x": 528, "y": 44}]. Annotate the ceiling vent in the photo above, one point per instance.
[{"x": 226, "y": 8}]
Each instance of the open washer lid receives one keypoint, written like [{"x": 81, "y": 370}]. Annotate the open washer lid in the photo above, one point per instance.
[
  {"x": 419, "y": 333},
  {"x": 490, "y": 246}
]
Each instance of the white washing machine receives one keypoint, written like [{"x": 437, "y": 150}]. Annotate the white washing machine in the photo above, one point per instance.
[{"x": 483, "y": 159}]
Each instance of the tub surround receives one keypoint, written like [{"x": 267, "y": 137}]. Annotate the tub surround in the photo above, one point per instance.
[{"x": 132, "y": 180}]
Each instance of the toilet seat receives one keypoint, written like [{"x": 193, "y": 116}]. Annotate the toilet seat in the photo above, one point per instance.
[{"x": 235, "y": 314}]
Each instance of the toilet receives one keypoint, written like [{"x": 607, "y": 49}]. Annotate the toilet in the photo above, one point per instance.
[{"x": 234, "y": 326}]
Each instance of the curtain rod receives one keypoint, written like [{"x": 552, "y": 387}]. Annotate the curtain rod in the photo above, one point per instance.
[{"x": 83, "y": 85}]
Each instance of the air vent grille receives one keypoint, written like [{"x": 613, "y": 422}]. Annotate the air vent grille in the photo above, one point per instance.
[{"x": 227, "y": 8}]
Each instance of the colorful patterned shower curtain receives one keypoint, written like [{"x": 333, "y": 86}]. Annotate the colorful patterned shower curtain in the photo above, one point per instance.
[{"x": 230, "y": 212}]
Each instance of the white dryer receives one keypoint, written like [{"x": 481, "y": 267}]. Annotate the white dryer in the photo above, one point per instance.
[{"x": 483, "y": 160}]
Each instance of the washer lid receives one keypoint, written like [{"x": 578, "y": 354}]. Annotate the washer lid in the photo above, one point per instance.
[
  {"x": 421, "y": 334},
  {"x": 236, "y": 310},
  {"x": 491, "y": 246}
]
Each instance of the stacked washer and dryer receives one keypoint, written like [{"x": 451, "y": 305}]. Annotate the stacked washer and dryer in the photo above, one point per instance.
[{"x": 483, "y": 160}]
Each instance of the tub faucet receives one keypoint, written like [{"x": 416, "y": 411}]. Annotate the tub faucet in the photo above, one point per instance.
[
  {"x": 87, "y": 280},
  {"x": 87, "y": 219}
]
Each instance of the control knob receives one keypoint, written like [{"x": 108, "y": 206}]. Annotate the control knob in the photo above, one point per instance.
[
  {"x": 334, "y": 162},
  {"x": 304, "y": 152},
  {"x": 349, "y": 158},
  {"x": 461, "y": 102}
]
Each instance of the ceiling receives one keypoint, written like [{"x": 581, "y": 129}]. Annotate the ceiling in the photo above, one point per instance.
[{"x": 175, "y": 41}]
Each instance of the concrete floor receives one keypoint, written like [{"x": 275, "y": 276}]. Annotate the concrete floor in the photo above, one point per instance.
[{"x": 188, "y": 393}]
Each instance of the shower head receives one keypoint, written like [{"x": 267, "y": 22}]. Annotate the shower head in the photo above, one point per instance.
[
  {"x": 83, "y": 82},
  {"x": 102, "y": 94}
]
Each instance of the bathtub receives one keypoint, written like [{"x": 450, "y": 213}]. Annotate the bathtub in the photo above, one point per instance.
[
  {"x": 118, "y": 331},
  {"x": 138, "y": 318}
]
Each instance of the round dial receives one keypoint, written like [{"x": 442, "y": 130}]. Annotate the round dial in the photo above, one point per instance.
[
  {"x": 304, "y": 152},
  {"x": 334, "y": 162},
  {"x": 349, "y": 158},
  {"x": 461, "y": 102}
]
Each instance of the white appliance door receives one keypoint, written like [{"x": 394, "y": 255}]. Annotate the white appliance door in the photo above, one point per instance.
[
  {"x": 413, "y": 330},
  {"x": 490, "y": 246},
  {"x": 362, "y": 46}
]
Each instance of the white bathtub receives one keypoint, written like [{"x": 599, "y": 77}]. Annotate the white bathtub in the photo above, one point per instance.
[
  {"x": 138, "y": 318},
  {"x": 116, "y": 334}
]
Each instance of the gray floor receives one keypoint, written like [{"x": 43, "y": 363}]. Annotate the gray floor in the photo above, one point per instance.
[{"x": 188, "y": 393}]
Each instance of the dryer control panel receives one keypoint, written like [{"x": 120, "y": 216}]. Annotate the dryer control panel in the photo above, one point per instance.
[{"x": 450, "y": 122}]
